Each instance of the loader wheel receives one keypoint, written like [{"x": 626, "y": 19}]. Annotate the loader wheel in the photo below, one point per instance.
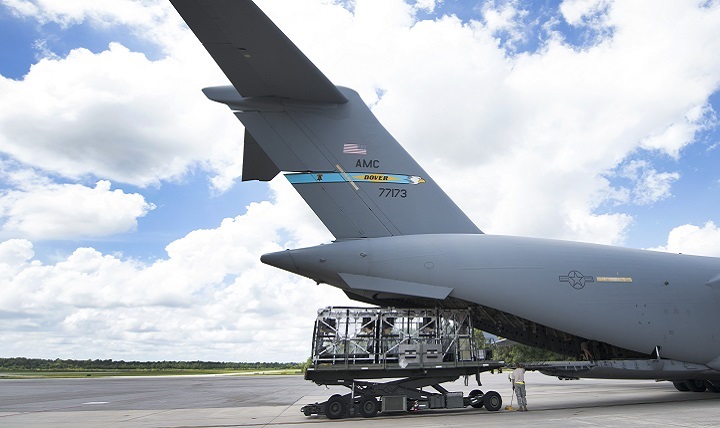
[
  {"x": 492, "y": 401},
  {"x": 369, "y": 407},
  {"x": 335, "y": 408},
  {"x": 474, "y": 393}
]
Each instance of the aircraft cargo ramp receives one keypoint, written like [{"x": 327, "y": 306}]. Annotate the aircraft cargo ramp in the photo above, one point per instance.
[{"x": 416, "y": 348}]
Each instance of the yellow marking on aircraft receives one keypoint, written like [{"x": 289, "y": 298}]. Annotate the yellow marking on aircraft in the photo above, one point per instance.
[
  {"x": 613, "y": 279},
  {"x": 377, "y": 178}
]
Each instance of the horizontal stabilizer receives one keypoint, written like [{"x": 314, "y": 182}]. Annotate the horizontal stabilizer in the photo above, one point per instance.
[
  {"x": 254, "y": 54},
  {"x": 392, "y": 286}
]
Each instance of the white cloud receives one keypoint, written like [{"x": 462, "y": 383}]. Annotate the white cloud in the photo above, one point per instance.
[
  {"x": 679, "y": 133},
  {"x": 695, "y": 240},
  {"x": 133, "y": 13},
  {"x": 35, "y": 207},
  {"x": 14, "y": 252},
  {"x": 70, "y": 211},
  {"x": 575, "y": 11},
  {"x": 427, "y": 5},
  {"x": 209, "y": 298},
  {"x": 505, "y": 18},
  {"x": 650, "y": 185},
  {"x": 115, "y": 115},
  {"x": 521, "y": 142}
]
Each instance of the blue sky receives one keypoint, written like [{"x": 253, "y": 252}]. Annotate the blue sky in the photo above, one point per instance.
[
  {"x": 124, "y": 221},
  {"x": 23, "y": 42}
]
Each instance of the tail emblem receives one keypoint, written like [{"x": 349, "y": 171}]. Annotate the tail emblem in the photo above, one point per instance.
[
  {"x": 576, "y": 279},
  {"x": 358, "y": 177},
  {"x": 355, "y": 149}
]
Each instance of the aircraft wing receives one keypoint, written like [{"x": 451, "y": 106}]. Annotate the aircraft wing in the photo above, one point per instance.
[{"x": 269, "y": 66}]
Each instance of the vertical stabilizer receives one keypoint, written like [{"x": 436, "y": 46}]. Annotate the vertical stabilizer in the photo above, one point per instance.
[{"x": 354, "y": 175}]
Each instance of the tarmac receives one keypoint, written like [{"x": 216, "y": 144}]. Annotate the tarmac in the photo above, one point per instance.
[{"x": 267, "y": 401}]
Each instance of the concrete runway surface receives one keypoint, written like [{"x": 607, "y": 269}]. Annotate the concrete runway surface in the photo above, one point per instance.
[{"x": 259, "y": 401}]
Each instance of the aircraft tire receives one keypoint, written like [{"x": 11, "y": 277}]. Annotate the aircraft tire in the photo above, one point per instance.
[
  {"x": 713, "y": 386},
  {"x": 335, "y": 408},
  {"x": 695, "y": 385},
  {"x": 369, "y": 407},
  {"x": 492, "y": 401},
  {"x": 475, "y": 393},
  {"x": 681, "y": 386}
]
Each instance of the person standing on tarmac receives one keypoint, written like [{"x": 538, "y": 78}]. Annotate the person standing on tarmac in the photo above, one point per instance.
[{"x": 517, "y": 377}]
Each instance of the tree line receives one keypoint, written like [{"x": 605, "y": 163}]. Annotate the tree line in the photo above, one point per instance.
[{"x": 38, "y": 364}]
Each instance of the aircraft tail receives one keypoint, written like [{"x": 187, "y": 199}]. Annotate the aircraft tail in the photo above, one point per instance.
[{"x": 354, "y": 175}]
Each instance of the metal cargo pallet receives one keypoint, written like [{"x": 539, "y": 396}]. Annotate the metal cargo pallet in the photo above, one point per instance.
[{"x": 417, "y": 348}]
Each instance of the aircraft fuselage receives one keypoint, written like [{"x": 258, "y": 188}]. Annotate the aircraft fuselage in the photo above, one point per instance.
[{"x": 635, "y": 299}]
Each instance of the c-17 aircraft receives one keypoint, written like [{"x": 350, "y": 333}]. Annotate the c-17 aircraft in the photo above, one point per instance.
[{"x": 401, "y": 241}]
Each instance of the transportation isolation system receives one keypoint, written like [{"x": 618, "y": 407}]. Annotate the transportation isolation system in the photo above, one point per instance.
[
  {"x": 401, "y": 242},
  {"x": 417, "y": 348}
]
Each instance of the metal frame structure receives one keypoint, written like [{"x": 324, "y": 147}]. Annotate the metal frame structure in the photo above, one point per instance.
[
  {"x": 418, "y": 348},
  {"x": 388, "y": 336}
]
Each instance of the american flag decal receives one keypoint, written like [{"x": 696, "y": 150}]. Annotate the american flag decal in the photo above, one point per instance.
[{"x": 355, "y": 149}]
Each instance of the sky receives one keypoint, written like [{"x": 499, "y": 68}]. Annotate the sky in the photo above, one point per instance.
[{"x": 125, "y": 229}]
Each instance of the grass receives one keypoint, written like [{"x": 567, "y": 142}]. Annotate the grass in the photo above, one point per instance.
[{"x": 129, "y": 373}]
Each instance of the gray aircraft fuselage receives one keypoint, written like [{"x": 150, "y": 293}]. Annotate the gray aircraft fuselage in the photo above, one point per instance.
[{"x": 634, "y": 299}]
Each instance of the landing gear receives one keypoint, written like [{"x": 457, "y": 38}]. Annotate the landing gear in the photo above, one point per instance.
[
  {"x": 713, "y": 386},
  {"x": 695, "y": 385},
  {"x": 681, "y": 386}
]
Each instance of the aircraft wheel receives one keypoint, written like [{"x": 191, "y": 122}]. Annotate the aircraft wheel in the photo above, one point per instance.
[
  {"x": 475, "y": 393},
  {"x": 695, "y": 385},
  {"x": 335, "y": 408},
  {"x": 492, "y": 401},
  {"x": 369, "y": 407},
  {"x": 713, "y": 386},
  {"x": 681, "y": 386}
]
